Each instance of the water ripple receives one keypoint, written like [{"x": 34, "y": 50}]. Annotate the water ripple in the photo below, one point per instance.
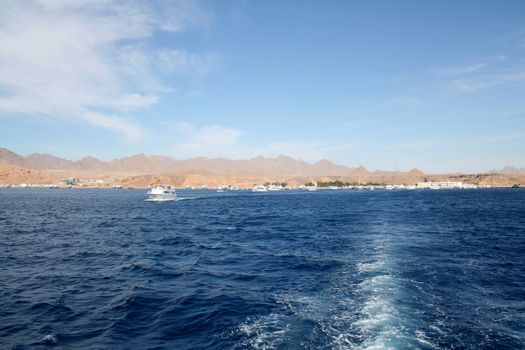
[{"x": 99, "y": 269}]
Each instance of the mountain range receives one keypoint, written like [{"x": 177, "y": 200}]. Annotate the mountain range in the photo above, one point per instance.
[
  {"x": 512, "y": 170},
  {"x": 152, "y": 164},
  {"x": 145, "y": 170}
]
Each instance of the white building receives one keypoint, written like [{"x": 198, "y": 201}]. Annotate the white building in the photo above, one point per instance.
[{"x": 444, "y": 185}]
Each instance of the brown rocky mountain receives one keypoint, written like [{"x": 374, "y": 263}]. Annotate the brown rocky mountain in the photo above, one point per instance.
[
  {"x": 9, "y": 157},
  {"x": 326, "y": 167},
  {"x": 90, "y": 163},
  {"x": 416, "y": 172},
  {"x": 46, "y": 161},
  {"x": 512, "y": 170},
  {"x": 142, "y": 170},
  {"x": 11, "y": 174},
  {"x": 360, "y": 171},
  {"x": 144, "y": 164}
]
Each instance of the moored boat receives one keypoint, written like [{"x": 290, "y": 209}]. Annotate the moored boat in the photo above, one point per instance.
[{"x": 259, "y": 188}]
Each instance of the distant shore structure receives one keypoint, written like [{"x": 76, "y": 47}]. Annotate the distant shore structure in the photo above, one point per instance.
[{"x": 443, "y": 185}]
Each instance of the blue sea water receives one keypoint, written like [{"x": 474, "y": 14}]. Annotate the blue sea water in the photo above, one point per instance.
[{"x": 103, "y": 269}]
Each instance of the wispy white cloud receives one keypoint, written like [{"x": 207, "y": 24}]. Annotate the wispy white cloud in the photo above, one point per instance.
[
  {"x": 210, "y": 140},
  {"x": 89, "y": 60},
  {"x": 310, "y": 151},
  {"x": 513, "y": 39},
  {"x": 463, "y": 70},
  {"x": 473, "y": 67},
  {"x": 222, "y": 141},
  {"x": 470, "y": 85},
  {"x": 183, "y": 62},
  {"x": 494, "y": 71},
  {"x": 488, "y": 80}
]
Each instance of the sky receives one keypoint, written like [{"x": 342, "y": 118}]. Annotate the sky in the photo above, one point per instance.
[{"x": 434, "y": 85}]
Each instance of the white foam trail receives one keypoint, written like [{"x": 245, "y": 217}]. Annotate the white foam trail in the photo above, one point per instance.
[
  {"x": 356, "y": 312},
  {"x": 369, "y": 266},
  {"x": 265, "y": 332},
  {"x": 380, "y": 325},
  {"x": 271, "y": 331}
]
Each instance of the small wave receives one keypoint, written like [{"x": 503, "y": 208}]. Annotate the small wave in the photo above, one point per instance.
[
  {"x": 296, "y": 319},
  {"x": 52, "y": 309},
  {"x": 264, "y": 333},
  {"x": 50, "y": 339},
  {"x": 424, "y": 340},
  {"x": 363, "y": 267},
  {"x": 159, "y": 270},
  {"x": 179, "y": 240}
]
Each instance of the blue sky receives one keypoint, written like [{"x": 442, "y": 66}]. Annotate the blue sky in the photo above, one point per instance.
[{"x": 438, "y": 85}]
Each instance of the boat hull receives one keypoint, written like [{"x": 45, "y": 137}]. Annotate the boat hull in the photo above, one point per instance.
[{"x": 161, "y": 198}]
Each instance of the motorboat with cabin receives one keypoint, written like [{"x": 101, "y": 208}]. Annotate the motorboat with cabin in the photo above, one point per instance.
[{"x": 162, "y": 194}]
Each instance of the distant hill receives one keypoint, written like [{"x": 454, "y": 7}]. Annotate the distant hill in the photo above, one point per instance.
[
  {"x": 200, "y": 168},
  {"x": 151, "y": 164},
  {"x": 146, "y": 170},
  {"x": 11, "y": 174},
  {"x": 44, "y": 161},
  {"x": 11, "y": 158},
  {"x": 512, "y": 170}
]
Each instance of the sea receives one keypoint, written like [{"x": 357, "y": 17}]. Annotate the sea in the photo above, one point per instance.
[{"x": 333, "y": 269}]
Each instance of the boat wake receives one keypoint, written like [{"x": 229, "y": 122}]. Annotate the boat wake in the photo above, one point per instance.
[
  {"x": 166, "y": 200},
  {"x": 100, "y": 269},
  {"x": 361, "y": 309}
]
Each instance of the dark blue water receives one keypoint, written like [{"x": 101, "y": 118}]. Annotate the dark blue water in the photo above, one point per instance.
[{"x": 103, "y": 269}]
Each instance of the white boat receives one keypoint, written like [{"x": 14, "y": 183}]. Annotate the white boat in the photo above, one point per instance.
[
  {"x": 259, "y": 188},
  {"x": 162, "y": 194}
]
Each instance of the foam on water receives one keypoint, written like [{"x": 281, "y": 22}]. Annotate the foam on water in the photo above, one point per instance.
[
  {"x": 380, "y": 325},
  {"x": 357, "y": 311},
  {"x": 335, "y": 270},
  {"x": 266, "y": 332},
  {"x": 50, "y": 339},
  {"x": 347, "y": 315}
]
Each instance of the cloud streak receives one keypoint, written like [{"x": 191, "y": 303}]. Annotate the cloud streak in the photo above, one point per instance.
[
  {"x": 488, "y": 80},
  {"x": 223, "y": 141},
  {"x": 464, "y": 70},
  {"x": 89, "y": 61},
  {"x": 209, "y": 140},
  {"x": 484, "y": 75},
  {"x": 310, "y": 151}
]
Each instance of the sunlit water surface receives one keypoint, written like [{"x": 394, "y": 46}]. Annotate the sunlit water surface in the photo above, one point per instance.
[{"x": 104, "y": 269}]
